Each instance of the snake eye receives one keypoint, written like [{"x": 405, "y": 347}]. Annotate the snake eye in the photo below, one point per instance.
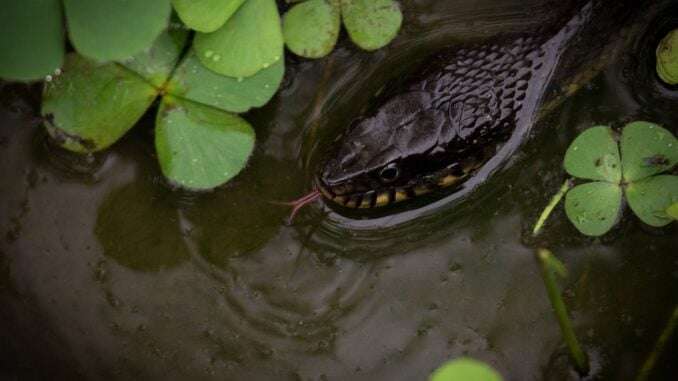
[{"x": 389, "y": 173}]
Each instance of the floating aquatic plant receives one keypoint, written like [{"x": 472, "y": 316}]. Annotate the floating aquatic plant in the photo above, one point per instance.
[
  {"x": 200, "y": 141},
  {"x": 667, "y": 58},
  {"x": 32, "y": 32},
  {"x": 311, "y": 28},
  {"x": 126, "y": 57},
  {"x": 632, "y": 169},
  {"x": 465, "y": 369},
  {"x": 550, "y": 268},
  {"x": 672, "y": 211}
]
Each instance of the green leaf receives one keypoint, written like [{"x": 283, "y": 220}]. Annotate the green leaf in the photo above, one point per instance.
[
  {"x": 31, "y": 39},
  {"x": 91, "y": 105},
  {"x": 594, "y": 155},
  {"x": 250, "y": 41},
  {"x": 647, "y": 149},
  {"x": 205, "y": 15},
  {"x": 311, "y": 28},
  {"x": 157, "y": 63},
  {"x": 196, "y": 83},
  {"x": 672, "y": 211},
  {"x": 667, "y": 58},
  {"x": 593, "y": 207},
  {"x": 465, "y": 369},
  {"x": 200, "y": 147},
  {"x": 371, "y": 24},
  {"x": 115, "y": 30},
  {"x": 649, "y": 198}
]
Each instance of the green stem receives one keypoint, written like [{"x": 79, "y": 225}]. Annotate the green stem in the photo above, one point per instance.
[
  {"x": 549, "y": 208},
  {"x": 646, "y": 370},
  {"x": 549, "y": 267}
]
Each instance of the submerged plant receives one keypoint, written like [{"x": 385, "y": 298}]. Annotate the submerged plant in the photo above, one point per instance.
[
  {"x": 631, "y": 170},
  {"x": 465, "y": 369},
  {"x": 659, "y": 347},
  {"x": 550, "y": 267}
]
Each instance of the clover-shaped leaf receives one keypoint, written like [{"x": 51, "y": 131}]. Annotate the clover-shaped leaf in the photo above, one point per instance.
[
  {"x": 672, "y": 211},
  {"x": 465, "y": 369},
  {"x": 311, "y": 28},
  {"x": 593, "y": 207},
  {"x": 667, "y": 58},
  {"x": 205, "y": 15},
  {"x": 31, "y": 39},
  {"x": 195, "y": 82},
  {"x": 115, "y": 30},
  {"x": 650, "y": 198},
  {"x": 200, "y": 147},
  {"x": 594, "y": 155},
  {"x": 647, "y": 149},
  {"x": 91, "y": 105},
  {"x": 199, "y": 142},
  {"x": 157, "y": 63},
  {"x": 371, "y": 24},
  {"x": 250, "y": 41}
]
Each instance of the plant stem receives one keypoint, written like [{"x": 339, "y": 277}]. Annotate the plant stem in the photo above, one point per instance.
[
  {"x": 646, "y": 370},
  {"x": 551, "y": 205},
  {"x": 549, "y": 267}
]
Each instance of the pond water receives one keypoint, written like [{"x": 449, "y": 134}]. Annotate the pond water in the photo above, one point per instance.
[{"x": 106, "y": 273}]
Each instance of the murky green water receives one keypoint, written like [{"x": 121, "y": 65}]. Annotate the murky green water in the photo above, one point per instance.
[{"x": 105, "y": 273}]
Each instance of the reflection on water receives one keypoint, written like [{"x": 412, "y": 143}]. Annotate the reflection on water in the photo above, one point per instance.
[{"x": 105, "y": 272}]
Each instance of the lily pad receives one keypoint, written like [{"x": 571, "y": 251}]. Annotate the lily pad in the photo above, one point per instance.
[
  {"x": 594, "y": 155},
  {"x": 250, "y": 41},
  {"x": 195, "y": 82},
  {"x": 593, "y": 207},
  {"x": 371, "y": 24},
  {"x": 157, "y": 63},
  {"x": 31, "y": 39},
  {"x": 465, "y": 369},
  {"x": 115, "y": 30},
  {"x": 91, "y": 105},
  {"x": 205, "y": 15},
  {"x": 647, "y": 149},
  {"x": 311, "y": 28},
  {"x": 649, "y": 198},
  {"x": 667, "y": 58},
  {"x": 200, "y": 147}
]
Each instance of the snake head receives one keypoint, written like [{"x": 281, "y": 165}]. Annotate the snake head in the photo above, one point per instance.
[{"x": 396, "y": 154}]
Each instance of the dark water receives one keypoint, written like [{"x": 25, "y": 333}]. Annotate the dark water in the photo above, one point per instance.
[{"x": 105, "y": 273}]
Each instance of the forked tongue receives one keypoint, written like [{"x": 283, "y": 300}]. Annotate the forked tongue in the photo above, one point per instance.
[{"x": 300, "y": 203}]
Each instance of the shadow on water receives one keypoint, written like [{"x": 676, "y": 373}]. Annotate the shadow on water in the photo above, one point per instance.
[{"x": 105, "y": 265}]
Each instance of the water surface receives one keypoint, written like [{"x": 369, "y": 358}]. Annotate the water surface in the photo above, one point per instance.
[{"x": 106, "y": 273}]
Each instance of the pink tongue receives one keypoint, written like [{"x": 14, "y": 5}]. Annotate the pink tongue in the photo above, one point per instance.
[{"x": 300, "y": 203}]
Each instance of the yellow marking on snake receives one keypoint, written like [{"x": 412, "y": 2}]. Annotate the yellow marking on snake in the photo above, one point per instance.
[
  {"x": 448, "y": 180},
  {"x": 421, "y": 189},
  {"x": 400, "y": 196},
  {"x": 382, "y": 199}
]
